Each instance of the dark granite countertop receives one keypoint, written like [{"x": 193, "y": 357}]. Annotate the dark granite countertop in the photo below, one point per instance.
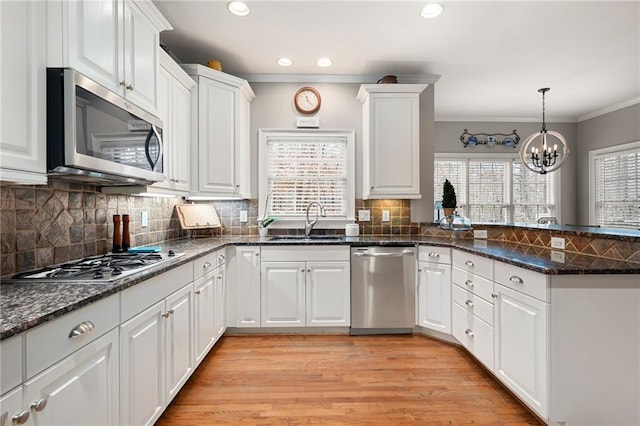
[{"x": 26, "y": 305}]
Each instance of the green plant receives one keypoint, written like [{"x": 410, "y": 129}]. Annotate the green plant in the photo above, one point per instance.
[
  {"x": 448, "y": 195},
  {"x": 266, "y": 221}
]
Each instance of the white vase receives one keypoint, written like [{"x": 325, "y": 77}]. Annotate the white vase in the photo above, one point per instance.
[{"x": 263, "y": 232}]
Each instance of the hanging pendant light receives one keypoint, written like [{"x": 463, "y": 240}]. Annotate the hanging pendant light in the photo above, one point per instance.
[{"x": 538, "y": 153}]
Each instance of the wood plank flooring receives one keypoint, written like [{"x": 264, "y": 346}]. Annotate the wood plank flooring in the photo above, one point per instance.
[{"x": 341, "y": 380}]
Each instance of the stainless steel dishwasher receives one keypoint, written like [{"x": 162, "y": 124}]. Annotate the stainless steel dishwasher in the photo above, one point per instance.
[{"x": 382, "y": 290}]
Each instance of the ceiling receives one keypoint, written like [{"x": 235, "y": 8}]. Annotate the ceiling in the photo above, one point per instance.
[{"x": 491, "y": 56}]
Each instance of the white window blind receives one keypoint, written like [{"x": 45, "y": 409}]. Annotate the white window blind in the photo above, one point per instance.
[
  {"x": 617, "y": 188},
  {"x": 532, "y": 194},
  {"x": 302, "y": 169},
  {"x": 456, "y": 172},
  {"x": 488, "y": 195}
]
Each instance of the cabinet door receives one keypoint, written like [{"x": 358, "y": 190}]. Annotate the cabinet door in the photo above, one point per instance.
[
  {"x": 142, "y": 367},
  {"x": 328, "y": 294},
  {"x": 180, "y": 126},
  {"x": 434, "y": 296},
  {"x": 283, "y": 294},
  {"x": 220, "y": 304},
  {"x": 95, "y": 40},
  {"x": 247, "y": 285},
  {"x": 521, "y": 346},
  {"x": 82, "y": 389},
  {"x": 204, "y": 296},
  {"x": 216, "y": 139},
  {"x": 165, "y": 104},
  {"x": 12, "y": 410},
  {"x": 179, "y": 347},
  {"x": 23, "y": 86},
  {"x": 141, "y": 44}
]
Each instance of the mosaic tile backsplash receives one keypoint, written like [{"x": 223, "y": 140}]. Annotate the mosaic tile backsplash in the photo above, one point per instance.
[{"x": 44, "y": 225}]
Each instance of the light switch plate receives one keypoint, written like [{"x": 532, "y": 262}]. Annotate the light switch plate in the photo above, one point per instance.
[
  {"x": 481, "y": 233},
  {"x": 557, "y": 243},
  {"x": 144, "y": 219},
  {"x": 243, "y": 216},
  {"x": 385, "y": 215},
  {"x": 364, "y": 215}
]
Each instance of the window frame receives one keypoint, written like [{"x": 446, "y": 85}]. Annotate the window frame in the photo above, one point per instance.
[
  {"x": 596, "y": 154},
  {"x": 299, "y": 221},
  {"x": 554, "y": 187}
]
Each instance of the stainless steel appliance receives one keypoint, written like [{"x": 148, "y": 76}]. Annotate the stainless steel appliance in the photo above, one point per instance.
[
  {"x": 382, "y": 289},
  {"x": 103, "y": 268},
  {"x": 94, "y": 135}
]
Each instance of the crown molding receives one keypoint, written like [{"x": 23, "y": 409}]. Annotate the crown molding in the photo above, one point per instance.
[
  {"x": 496, "y": 119},
  {"x": 611, "y": 108},
  {"x": 335, "y": 78}
]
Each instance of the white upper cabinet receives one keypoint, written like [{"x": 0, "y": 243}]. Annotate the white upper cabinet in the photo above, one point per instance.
[
  {"x": 114, "y": 42},
  {"x": 391, "y": 140},
  {"x": 221, "y": 157},
  {"x": 23, "y": 157}
]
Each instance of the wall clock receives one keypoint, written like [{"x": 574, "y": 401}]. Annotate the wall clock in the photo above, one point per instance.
[{"x": 307, "y": 100}]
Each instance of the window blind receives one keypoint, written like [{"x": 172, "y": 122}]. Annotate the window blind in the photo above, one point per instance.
[
  {"x": 300, "y": 170},
  {"x": 488, "y": 195},
  {"x": 617, "y": 189},
  {"x": 532, "y": 193},
  {"x": 456, "y": 172}
]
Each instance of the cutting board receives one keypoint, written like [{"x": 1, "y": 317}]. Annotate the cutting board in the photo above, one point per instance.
[{"x": 198, "y": 216}]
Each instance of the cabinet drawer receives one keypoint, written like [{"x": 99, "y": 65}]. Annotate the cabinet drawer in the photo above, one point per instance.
[
  {"x": 50, "y": 342},
  {"x": 473, "y": 303},
  {"x": 10, "y": 363},
  {"x": 473, "y": 263},
  {"x": 474, "y": 334},
  {"x": 208, "y": 263},
  {"x": 523, "y": 280},
  {"x": 301, "y": 253},
  {"x": 479, "y": 286},
  {"x": 434, "y": 254}
]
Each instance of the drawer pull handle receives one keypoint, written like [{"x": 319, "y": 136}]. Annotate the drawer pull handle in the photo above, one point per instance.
[
  {"x": 468, "y": 332},
  {"x": 469, "y": 283},
  {"x": 432, "y": 254},
  {"x": 21, "y": 418},
  {"x": 206, "y": 265},
  {"x": 469, "y": 303},
  {"x": 516, "y": 279},
  {"x": 39, "y": 405},
  {"x": 81, "y": 329},
  {"x": 494, "y": 295},
  {"x": 469, "y": 263}
]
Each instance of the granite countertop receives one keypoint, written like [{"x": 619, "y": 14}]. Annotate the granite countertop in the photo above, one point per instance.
[{"x": 26, "y": 305}]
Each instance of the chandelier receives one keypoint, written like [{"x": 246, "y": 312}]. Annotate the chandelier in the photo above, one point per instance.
[{"x": 538, "y": 154}]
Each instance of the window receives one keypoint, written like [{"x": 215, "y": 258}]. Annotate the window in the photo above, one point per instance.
[
  {"x": 614, "y": 187},
  {"x": 496, "y": 188},
  {"x": 298, "y": 167}
]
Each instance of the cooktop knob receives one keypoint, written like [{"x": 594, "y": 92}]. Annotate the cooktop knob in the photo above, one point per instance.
[
  {"x": 171, "y": 253},
  {"x": 97, "y": 275},
  {"x": 117, "y": 270}
]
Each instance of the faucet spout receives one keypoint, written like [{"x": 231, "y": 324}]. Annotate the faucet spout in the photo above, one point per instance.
[{"x": 310, "y": 224}]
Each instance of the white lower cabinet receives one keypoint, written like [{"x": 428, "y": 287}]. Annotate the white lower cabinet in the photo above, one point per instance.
[
  {"x": 12, "y": 410},
  {"x": 433, "y": 296},
  {"x": 245, "y": 270},
  {"x": 82, "y": 389},
  {"x": 155, "y": 357},
  {"x": 204, "y": 300},
  {"x": 220, "y": 304},
  {"x": 474, "y": 334},
  {"x": 283, "y": 294},
  {"x": 521, "y": 346},
  {"x": 328, "y": 294}
]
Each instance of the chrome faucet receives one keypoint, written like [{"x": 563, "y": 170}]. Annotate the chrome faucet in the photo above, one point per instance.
[{"x": 308, "y": 226}]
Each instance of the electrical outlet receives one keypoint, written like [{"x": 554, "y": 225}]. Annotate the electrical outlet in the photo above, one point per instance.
[
  {"x": 385, "y": 215},
  {"x": 557, "y": 256},
  {"x": 243, "y": 216},
  {"x": 557, "y": 243},
  {"x": 481, "y": 233},
  {"x": 144, "y": 219},
  {"x": 364, "y": 215}
]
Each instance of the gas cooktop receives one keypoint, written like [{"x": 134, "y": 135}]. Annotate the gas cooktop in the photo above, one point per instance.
[{"x": 103, "y": 268}]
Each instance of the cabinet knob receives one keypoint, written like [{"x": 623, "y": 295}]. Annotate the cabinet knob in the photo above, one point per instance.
[
  {"x": 81, "y": 329},
  {"x": 206, "y": 265},
  {"x": 302, "y": 270},
  {"x": 419, "y": 269},
  {"x": 166, "y": 314},
  {"x": 516, "y": 279},
  {"x": 221, "y": 258},
  {"x": 196, "y": 292},
  {"x": 495, "y": 296},
  {"x": 371, "y": 186},
  {"x": 308, "y": 270},
  {"x": 469, "y": 303},
  {"x": 257, "y": 254},
  {"x": 469, "y": 283},
  {"x": 469, "y": 263},
  {"x": 432, "y": 254},
  {"x": 39, "y": 405},
  {"x": 20, "y": 418},
  {"x": 129, "y": 87},
  {"x": 220, "y": 276},
  {"x": 468, "y": 332},
  {"x": 123, "y": 83}
]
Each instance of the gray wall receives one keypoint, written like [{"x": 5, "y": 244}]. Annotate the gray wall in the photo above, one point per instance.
[
  {"x": 447, "y": 136},
  {"x": 615, "y": 128},
  {"x": 422, "y": 209}
]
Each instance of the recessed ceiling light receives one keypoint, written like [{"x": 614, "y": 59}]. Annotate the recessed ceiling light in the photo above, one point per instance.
[
  {"x": 285, "y": 62},
  {"x": 238, "y": 8},
  {"x": 324, "y": 62},
  {"x": 431, "y": 10}
]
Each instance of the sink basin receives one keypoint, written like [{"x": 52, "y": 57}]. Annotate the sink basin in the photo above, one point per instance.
[{"x": 309, "y": 238}]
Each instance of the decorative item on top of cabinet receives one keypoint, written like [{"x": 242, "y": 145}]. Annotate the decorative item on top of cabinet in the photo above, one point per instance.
[
  {"x": 91, "y": 42},
  {"x": 220, "y": 157},
  {"x": 490, "y": 139},
  {"x": 391, "y": 140}
]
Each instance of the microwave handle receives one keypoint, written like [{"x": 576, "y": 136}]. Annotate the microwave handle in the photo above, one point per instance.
[{"x": 147, "y": 142}]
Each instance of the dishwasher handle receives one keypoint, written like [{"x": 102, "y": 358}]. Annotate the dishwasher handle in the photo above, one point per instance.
[{"x": 403, "y": 253}]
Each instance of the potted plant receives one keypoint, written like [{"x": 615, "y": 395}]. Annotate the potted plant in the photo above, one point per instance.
[
  {"x": 264, "y": 223},
  {"x": 449, "y": 202}
]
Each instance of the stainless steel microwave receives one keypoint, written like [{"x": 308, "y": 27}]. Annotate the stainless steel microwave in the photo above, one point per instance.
[{"x": 94, "y": 135}]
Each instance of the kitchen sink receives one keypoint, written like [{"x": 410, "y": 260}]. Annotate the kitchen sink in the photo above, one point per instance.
[{"x": 308, "y": 238}]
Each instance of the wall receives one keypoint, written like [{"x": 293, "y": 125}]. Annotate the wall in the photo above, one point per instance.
[
  {"x": 422, "y": 209},
  {"x": 447, "y": 136},
  {"x": 615, "y": 128}
]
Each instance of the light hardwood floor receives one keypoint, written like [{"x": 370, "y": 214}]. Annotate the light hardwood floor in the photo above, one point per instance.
[{"x": 382, "y": 380}]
